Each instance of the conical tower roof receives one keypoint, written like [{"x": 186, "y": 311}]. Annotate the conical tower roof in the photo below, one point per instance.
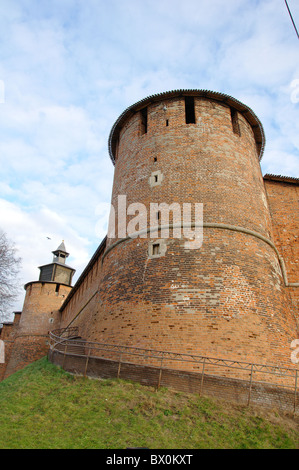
[{"x": 61, "y": 249}]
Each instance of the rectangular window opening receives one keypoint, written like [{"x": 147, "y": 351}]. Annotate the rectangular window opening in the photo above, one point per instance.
[
  {"x": 235, "y": 121},
  {"x": 155, "y": 159},
  {"x": 156, "y": 248},
  {"x": 167, "y": 122},
  {"x": 57, "y": 288},
  {"x": 143, "y": 113},
  {"x": 189, "y": 110},
  {"x": 156, "y": 178},
  {"x": 115, "y": 146}
]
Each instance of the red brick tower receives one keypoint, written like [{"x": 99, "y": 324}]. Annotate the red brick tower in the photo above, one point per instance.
[
  {"x": 226, "y": 299},
  {"x": 40, "y": 312}
]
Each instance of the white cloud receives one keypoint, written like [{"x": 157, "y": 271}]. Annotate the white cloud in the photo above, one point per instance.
[{"x": 30, "y": 231}]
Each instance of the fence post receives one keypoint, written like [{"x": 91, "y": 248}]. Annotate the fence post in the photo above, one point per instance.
[
  {"x": 119, "y": 365},
  {"x": 296, "y": 376},
  {"x": 250, "y": 384},
  {"x": 86, "y": 364},
  {"x": 160, "y": 372},
  {"x": 202, "y": 376},
  {"x": 65, "y": 349}
]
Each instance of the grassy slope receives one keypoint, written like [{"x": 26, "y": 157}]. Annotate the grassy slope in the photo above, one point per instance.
[{"x": 43, "y": 407}]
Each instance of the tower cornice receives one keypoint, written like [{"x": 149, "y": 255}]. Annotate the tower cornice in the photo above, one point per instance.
[{"x": 227, "y": 100}]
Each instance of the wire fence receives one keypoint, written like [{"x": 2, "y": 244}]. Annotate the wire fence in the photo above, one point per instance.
[{"x": 68, "y": 344}]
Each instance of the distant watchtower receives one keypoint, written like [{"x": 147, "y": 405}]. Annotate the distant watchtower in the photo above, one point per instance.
[
  {"x": 57, "y": 271},
  {"x": 41, "y": 311}
]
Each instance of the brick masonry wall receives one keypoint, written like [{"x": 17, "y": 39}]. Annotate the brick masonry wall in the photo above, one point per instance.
[
  {"x": 84, "y": 301},
  {"x": 283, "y": 198},
  {"x": 40, "y": 314},
  {"x": 42, "y": 301},
  {"x": 8, "y": 334},
  {"x": 204, "y": 162},
  {"x": 206, "y": 305},
  {"x": 226, "y": 299}
]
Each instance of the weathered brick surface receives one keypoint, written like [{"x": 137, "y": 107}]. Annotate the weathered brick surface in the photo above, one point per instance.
[
  {"x": 29, "y": 338},
  {"x": 7, "y": 334},
  {"x": 204, "y": 305},
  {"x": 204, "y": 162},
  {"x": 25, "y": 350},
  {"x": 283, "y": 200},
  {"x": 84, "y": 299},
  {"x": 228, "y": 298}
]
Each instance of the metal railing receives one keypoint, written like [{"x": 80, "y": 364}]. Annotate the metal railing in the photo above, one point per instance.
[{"x": 68, "y": 343}]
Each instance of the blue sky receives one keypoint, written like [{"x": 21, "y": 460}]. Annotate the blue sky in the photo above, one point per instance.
[{"x": 69, "y": 68}]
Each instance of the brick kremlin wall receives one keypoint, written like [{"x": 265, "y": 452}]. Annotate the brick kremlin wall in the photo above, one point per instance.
[
  {"x": 7, "y": 335},
  {"x": 28, "y": 338},
  {"x": 283, "y": 198},
  {"x": 227, "y": 299}
]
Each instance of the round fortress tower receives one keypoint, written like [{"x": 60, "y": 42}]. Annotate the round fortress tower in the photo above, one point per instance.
[
  {"x": 40, "y": 312},
  {"x": 227, "y": 297}
]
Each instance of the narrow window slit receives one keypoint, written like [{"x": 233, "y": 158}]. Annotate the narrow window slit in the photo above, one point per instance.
[
  {"x": 156, "y": 248},
  {"x": 143, "y": 113},
  {"x": 235, "y": 121},
  {"x": 189, "y": 110}
]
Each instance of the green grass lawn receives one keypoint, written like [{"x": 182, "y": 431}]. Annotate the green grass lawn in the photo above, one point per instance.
[{"x": 43, "y": 407}]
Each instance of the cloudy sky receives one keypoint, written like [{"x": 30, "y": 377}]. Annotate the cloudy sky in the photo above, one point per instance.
[{"x": 69, "y": 68}]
